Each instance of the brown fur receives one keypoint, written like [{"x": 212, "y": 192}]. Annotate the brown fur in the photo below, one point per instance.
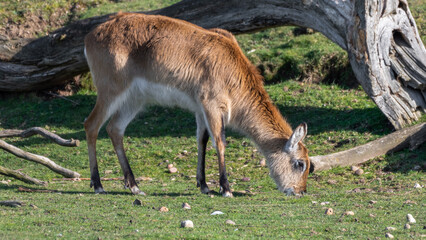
[{"x": 207, "y": 65}]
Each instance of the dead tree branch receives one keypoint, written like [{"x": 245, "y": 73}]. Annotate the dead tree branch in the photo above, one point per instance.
[
  {"x": 410, "y": 137},
  {"x": 38, "y": 159},
  {"x": 20, "y": 176},
  {"x": 41, "y": 131}
]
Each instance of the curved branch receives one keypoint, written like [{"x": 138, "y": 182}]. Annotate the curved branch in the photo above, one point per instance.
[
  {"x": 410, "y": 137},
  {"x": 41, "y": 131},
  {"x": 38, "y": 159}
]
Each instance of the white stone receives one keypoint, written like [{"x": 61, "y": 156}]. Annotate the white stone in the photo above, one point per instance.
[
  {"x": 187, "y": 224},
  {"x": 417, "y": 185},
  {"x": 216, "y": 213},
  {"x": 410, "y": 218},
  {"x": 349, "y": 213},
  {"x": 390, "y": 228},
  {"x": 186, "y": 206},
  {"x": 388, "y": 235},
  {"x": 230, "y": 222}
]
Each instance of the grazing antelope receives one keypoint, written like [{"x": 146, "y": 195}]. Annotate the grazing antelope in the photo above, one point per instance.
[{"x": 138, "y": 60}]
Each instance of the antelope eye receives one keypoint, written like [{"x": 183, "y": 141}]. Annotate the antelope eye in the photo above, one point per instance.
[{"x": 300, "y": 165}]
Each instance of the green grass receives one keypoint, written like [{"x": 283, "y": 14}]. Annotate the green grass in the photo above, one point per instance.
[{"x": 339, "y": 117}]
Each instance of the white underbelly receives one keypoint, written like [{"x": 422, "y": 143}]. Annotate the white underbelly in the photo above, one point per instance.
[{"x": 163, "y": 95}]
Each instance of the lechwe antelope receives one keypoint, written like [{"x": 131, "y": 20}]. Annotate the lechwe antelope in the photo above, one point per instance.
[{"x": 138, "y": 60}]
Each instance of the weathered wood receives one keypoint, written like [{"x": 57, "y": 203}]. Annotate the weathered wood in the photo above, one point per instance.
[
  {"x": 384, "y": 47},
  {"x": 41, "y": 131},
  {"x": 20, "y": 176},
  {"x": 38, "y": 159},
  {"x": 389, "y": 58},
  {"x": 11, "y": 203},
  {"x": 410, "y": 137}
]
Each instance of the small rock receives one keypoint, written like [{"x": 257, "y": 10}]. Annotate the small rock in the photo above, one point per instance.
[
  {"x": 245, "y": 179},
  {"x": 410, "y": 218},
  {"x": 372, "y": 202},
  {"x": 230, "y": 222},
  {"x": 354, "y": 168},
  {"x": 359, "y": 172},
  {"x": 173, "y": 170},
  {"x": 388, "y": 235},
  {"x": 372, "y": 215},
  {"x": 187, "y": 224},
  {"x": 216, "y": 213},
  {"x": 4, "y": 182},
  {"x": 324, "y": 203},
  {"x": 186, "y": 206},
  {"x": 390, "y": 228},
  {"x": 169, "y": 166},
  {"x": 164, "y": 209},
  {"x": 417, "y": 168},
  {"x": 329, "y": 211},
  {"x": 137, "y": 202},
  {"x": 407, "y": 226},
  {"x": 262, "y": 162},
  {"x": 417, "y": 185},
  {"x": 314, "y": 202},
  {"x": 349, "y": 213},
  {"x": 332, "y": 182}
]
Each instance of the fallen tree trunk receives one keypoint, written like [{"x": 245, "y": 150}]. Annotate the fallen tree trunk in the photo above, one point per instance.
[
  {"x": 381, "y": 38},
  {"x": 410, "y": 137}
]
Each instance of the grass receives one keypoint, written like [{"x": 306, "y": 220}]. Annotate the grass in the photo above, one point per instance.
[
  {"x": 339, "y": 117},
  {"x": 334, "y": 114}
]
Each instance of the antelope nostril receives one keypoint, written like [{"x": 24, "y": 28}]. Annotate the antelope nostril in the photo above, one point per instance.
[{"x": 289, "y": 192}]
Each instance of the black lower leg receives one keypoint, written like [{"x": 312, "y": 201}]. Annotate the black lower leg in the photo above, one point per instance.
[
  {"x": 95, "y": 180},
  {"x": 201, "y": 174}
]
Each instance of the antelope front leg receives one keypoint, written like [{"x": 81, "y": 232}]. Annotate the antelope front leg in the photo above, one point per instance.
[{"x": 202, "y": 139}]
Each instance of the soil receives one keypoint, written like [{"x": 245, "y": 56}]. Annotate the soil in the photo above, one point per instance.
[{"x": 36, "y": 24}]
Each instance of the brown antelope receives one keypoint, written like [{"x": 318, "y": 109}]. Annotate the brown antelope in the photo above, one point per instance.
[{"x": 138, "y": 60}]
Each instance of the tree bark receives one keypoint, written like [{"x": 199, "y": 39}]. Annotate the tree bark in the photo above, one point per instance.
[
  {"x": 410, "y": 137},
  {"x": 381, "y": 38}
]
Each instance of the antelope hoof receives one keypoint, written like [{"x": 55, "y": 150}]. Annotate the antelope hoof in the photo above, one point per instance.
[
  {"x": 227, "y": 194},
  {"x": 205, "y": 190},
  {"x": 99, "y": 190},
  {"x": 135, "y": 190}
]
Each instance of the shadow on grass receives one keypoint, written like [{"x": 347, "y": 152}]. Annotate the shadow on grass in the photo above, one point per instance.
[{"x": 174, "y": 122}]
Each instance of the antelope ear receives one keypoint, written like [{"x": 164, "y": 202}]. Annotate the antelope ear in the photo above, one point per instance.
[{"x": 298, "y": 135}]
